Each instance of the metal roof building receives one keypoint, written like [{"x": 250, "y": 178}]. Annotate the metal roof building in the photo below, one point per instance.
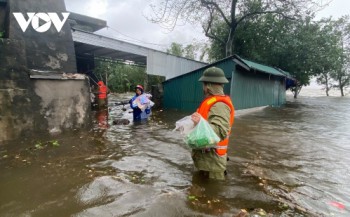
[
  {"x": 89, "y": 45},
  {"x": 250, "y": 85}
]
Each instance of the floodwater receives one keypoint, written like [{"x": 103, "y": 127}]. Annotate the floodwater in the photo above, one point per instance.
[{"x": 288, "y": 161}]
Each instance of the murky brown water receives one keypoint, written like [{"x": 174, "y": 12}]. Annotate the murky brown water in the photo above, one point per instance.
[{"x": 290, "y": 161}]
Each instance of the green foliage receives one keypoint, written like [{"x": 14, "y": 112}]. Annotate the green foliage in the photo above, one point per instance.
[
  {"x": 304, "y": 48},
  {"x": 217, "y": 49},
  {"x": 2, "y": 34},
  {"x": 175, "y": 49},
  {"x": 341, "y": 74},
  {"x": 120, "y": 77},
  {"x": 154, "y": 80},
  {"x": 189, "y": 51},
  {"x": 231, "y": 13}
]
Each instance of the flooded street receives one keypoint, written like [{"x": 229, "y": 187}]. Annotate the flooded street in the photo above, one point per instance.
[{"x": 289, "y": 161}]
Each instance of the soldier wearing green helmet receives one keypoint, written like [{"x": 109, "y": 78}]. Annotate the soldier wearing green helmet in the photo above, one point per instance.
[
  {"x": 214, "y": 75},
  {"x": 218, "y": 110}
]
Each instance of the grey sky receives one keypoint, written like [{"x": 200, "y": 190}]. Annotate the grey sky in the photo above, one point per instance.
[
  {"x": 127, "y": 19},
  {"x": 336, "y": 9}
]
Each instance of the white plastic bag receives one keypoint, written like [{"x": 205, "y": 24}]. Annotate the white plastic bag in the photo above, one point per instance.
[{"x": 184, "y": 125}]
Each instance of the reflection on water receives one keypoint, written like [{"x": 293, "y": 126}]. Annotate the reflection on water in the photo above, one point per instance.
[{"x": 289, "y": 161}]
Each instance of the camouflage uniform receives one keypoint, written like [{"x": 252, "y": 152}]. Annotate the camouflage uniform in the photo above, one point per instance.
[{"x": 219, "y": 119}]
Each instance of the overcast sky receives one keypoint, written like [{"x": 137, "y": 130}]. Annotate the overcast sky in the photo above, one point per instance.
[{"x": 127, "y": 21}]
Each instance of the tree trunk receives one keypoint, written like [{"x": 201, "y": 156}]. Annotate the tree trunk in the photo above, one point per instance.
[
  {"x": 342, "y": 90},
  {"x": 232, "y": 24},
  {"x": 229, "y": 44},
  {"x": 296, "y": 90},
  {"x": 341, "y": 87},
  {"x": 295, "y": 94},
  {"x": 327, "y": 87}
]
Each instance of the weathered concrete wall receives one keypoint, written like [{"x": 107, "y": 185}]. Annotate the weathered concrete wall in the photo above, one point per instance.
[
  {"x": 2, "y": 17},
  {"x": 63, "y": 103},
  {"x": 49, "y": 50},
  {"x": 18, "y": 102},
  {"x": 30, "y": 105}
]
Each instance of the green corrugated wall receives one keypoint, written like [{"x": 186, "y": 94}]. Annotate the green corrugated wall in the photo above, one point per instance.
[
  {"x": 186, "y": 92},
  {"x": 247, "y": 89},
  {"x": 251, "y": 90}
]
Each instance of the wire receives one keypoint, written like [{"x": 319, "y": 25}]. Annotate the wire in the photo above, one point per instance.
[{"x": 161, "y": 45}]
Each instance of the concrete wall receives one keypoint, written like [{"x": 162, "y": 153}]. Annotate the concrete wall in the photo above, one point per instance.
[
  {"x": 30, "y": 105},
  {"x": 63, "y": 103},
  {"x": 3, "y": 12},
  {"x": 2, "y": 18},
  {"x": 49, "y": 50},
  {"x": 17, "y": 99}
]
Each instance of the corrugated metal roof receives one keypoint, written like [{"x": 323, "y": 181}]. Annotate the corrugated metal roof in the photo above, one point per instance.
[
  {"x": 79, "y": 21},
  {"x": 262, "y": 68},
  {"x": 158, "y": 62},
  {"x": 185, "y": 92},
  {"x": 286, "y": 73},
  {"x": 203, "y": 68},
  {"x": 247, "y": 88},
  {"x": 248, "y": 65}
]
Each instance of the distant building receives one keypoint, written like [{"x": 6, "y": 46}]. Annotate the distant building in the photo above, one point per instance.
[
  {"x": 250, "y": 85},
  {"x": 90, "y": 45}
]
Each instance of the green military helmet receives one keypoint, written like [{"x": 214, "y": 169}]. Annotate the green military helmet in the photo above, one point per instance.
[{"x": 214, "y": 75}]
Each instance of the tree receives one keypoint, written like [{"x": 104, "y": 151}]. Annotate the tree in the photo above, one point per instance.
[
  {"x": 232, "y": 13},
  {"x": 175, "y": 49},
  {"x": 300, "y": 47},
  {"x": 304, "y": 47},
  {"x": 329, "y": 53},
  {"x": 341, "y": 74},
  {"x": 119, "y": 77},
  {"x": 189, "y": 51},
  {"x": 325, "y": 79}
]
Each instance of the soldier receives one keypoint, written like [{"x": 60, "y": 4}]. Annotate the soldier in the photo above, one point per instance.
[{"x": 218, "y": 110}]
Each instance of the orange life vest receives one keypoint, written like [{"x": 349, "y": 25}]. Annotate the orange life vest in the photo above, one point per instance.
[
  {"x": 204, "y": 108},
  {"x": 102, "y": 90}
]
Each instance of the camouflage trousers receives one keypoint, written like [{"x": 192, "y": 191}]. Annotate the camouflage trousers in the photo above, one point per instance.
[{"x": 209, "y": 161}]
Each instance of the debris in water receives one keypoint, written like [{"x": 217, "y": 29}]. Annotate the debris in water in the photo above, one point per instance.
[
  {"x": 337, "y": 204},
  {"x": 242, "y": 213},
  {"x": 191, "y": 197},
  {"x": 55, "y": 143},
  {"x": 121, "y": 121}
]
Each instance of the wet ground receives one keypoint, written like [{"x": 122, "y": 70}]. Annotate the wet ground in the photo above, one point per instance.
[{"x": 289, "y": 161}]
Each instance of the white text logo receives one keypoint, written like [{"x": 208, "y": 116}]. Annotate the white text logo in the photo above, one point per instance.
[{"x": 46, "y": 20}]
